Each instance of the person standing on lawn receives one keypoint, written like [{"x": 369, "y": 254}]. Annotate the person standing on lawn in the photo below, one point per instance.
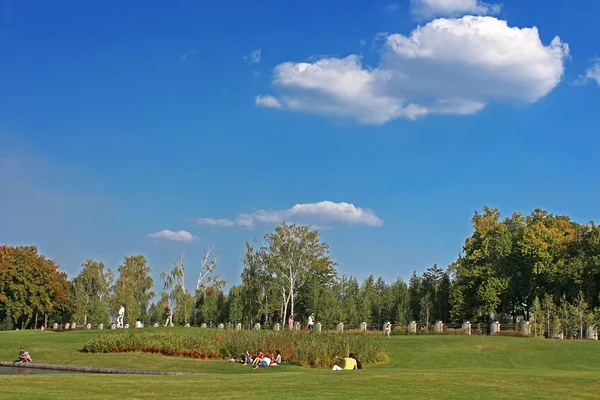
[
  {"x": 311, "y": 322},
  {"x": 291, "y": 323},
  {"x": 169, "y": 316},
  {"x": 121, "y": 316}
]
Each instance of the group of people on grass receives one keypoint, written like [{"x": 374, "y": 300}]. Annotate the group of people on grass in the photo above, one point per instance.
[
  {"x": 24, "y": 356},
  {"x": 260, "y": 360}
]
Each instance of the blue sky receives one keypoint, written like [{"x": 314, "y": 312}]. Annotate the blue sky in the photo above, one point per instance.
[{"x": 119, "y": 121}]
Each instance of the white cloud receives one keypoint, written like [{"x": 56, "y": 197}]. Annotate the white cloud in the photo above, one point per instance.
[
  {"x": 362, "y": 42},
  {"x": 448, "y": 66},
  {"x": 591, "y": 74},
  {"x": 179, "y": 236},
  {"x": 424, "y": 9},
  {"x": 392, "y": 7},
  {"x": 254, "y": 57},
  {"x": 267, "y": 101},
  {"x": 324, "y": 211}
]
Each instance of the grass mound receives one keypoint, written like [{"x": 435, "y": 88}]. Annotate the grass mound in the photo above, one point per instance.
[{"x": 317, "y": 350}]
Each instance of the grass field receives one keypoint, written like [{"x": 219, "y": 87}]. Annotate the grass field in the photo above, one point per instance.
[{"x": 420, "y": 367}]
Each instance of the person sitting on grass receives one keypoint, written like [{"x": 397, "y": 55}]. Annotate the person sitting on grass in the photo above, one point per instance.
[
  {"x": 358, "y": 363},
  {"x": 24, "y": 356},
  {"x": 259, "y": 357},
  {"x": 349, "y": 363},
  {"x": 276, "y": 359},
  {"x": 244, "y": 359},
  {"x": 265, "y": 362}
]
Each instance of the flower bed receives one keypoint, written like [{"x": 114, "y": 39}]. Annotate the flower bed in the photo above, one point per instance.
[{"x": 317, "y": 350}]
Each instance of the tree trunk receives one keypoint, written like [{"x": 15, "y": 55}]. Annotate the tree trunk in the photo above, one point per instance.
[
  {"x": 45, "y": 320},
  {"x": 35, "y": 321},
  {"x": 292, "y": 297}
]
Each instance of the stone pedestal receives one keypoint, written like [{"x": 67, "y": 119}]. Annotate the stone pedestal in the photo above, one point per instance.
[
  {"x": 466, "y": 326},
  {"x": 221, "y": 326},
  {"x": 297, "y": 326},
  {"x": 73, "y": 325},
  {"x": 257, "y": 327},
  {"x": 187, "y": 325},
  {"x": 101, "y": 327},
  {"x": 319, "y": 327},
  {"x": 203, "y": 325},
  {"x": 277, "y": 327},
  {"x": 155, "y": 325},
  {"x": 412, "y": 327},
  {"x": 525, "y": 328},
  {"x": 439, "y": 327},
  {"x": 340, "y": 327},
  {"x": 494, "y": 327},
  {"x": 363, "y": 326},
  {"x": 238, "y": 326},
  {"x": 67, "y": 326},
  {"x": 113, "y": 326},
  {"x": 55, "y": 326},
  {"x": 592, "y": 333},
  {"x": 126, "y": 326},
  {"x": 88, "y": 326}
]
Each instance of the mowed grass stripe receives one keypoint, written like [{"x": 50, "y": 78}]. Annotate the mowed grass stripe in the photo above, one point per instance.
[{"x": 419, "y": 367}]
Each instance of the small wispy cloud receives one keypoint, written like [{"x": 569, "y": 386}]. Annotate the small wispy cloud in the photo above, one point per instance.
[
  {"x": 254, "y": 57},
  {"x": 426, "y": 9},
  {"x": 267, "y": 101},
  {"x": 179, "y": 236},
  {"x": 362, "y": 42},
  {"x": 188, "y": 53},
  {"x": 392, "y": 7},
  {"x": 321, "y": 212},
  {"x": 592, "y": 74}
]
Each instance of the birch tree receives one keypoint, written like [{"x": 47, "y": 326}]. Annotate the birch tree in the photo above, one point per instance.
[
  {"x": 293, "y": 252},
  {"x": 181, "y": 298}
]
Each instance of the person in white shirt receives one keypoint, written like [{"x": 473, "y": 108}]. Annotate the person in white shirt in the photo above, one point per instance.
[
  {"x": 169, "y": 316},
  {"x": 266, "y": 361},
  {"x": 121, "y": 316},
  {"x": 311, "y": 322}
]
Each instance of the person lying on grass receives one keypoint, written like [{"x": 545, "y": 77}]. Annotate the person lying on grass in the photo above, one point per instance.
[
  {"x": 265, "y": 362},
  {"x": 349, "y": 363},
  {"x": 24, "y": 356}
]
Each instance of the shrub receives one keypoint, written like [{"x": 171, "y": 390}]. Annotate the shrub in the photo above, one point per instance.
[{"x": 317, "y": 350}]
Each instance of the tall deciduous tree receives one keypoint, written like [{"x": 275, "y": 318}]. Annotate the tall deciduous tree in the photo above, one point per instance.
[
  {"x": 31, "y": 286},
  {"x": 133, "y": 289},
  {"x": 293, "y": 253},
  {"x": 180, "y": 298},
  {"x": 91, "y": 290}
]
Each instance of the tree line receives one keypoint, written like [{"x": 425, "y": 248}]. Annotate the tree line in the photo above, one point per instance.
[{"x": 540, "y": 268}]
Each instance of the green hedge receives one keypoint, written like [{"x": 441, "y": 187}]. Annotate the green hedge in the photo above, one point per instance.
[{"x": 316, "y": 350}]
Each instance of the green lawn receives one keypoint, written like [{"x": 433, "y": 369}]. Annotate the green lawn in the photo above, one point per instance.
[{"x": 420, "y": 367}]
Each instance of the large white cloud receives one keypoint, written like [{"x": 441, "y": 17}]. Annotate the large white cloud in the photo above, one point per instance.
[
  {"x": 179, "y": 236},
  {"x": 324, "y": 211},
  {"x": 451, "y": 8},
  {"x": 449, "y": 66}
]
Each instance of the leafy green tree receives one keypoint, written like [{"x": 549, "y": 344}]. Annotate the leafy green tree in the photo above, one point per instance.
[
  {"x": 31, "y": 287},
  {"x": 400, "y": 296},
  {"x": 91, "y": 291},
  {"x": 539, "y": 318},
  {"x": 133, "y": 289},
  {"x": 235, "y": 304},
  {"x": 293, "y": 253},
  {"x": 180, "y": 297}
]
